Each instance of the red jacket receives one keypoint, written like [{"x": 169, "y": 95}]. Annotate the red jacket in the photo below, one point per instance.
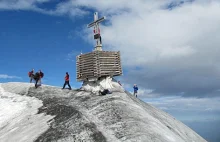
[{"x": 67, "y": 78}]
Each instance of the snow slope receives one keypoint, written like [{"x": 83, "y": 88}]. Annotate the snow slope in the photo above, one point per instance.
[
  {"x": 51, "y": 114},
  {"x": 18, "y": 119}
]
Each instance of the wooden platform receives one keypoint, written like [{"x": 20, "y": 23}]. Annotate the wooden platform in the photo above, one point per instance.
[{"x": 98, "y": 64}]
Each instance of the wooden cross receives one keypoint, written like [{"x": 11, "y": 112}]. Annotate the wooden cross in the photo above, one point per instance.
[{"x": 97, "y": 34}]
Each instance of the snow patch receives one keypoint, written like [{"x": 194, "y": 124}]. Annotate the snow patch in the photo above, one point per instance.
[
  {"x": 102, "y": 84},
  {"x": 19, "y": 120}
]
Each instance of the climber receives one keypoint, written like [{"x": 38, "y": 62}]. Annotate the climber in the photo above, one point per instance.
[
  {"x": 67, "y": 78},
  {"x": 135, "y": 90},
  {"x": 105, "y": 91},
  {"x": 37, "y": 78},
  {"x": 31, "y": 75}
]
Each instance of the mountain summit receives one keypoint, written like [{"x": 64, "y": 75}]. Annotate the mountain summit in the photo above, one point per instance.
[{"x": 49, "y": 114}]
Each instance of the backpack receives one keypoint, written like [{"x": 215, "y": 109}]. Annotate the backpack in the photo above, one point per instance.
[
  {"x": 29, "y": 74},
  {"x": 36, "y": 76},
  {"x": 42, "y": 74}
]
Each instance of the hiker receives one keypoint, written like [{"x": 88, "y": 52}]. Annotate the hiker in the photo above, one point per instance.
[
  {"x": 31, "y": 75},
  {"x": 67, "y": 78},
  {"x": 119, "y": 83},
  {"x": 135, "y": 90},
  {"x": 104, "y": 92},
  {"x": 36, "y": 78}
]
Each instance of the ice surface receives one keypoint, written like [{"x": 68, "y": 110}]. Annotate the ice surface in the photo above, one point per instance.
[{"x": 84, "y": 116}]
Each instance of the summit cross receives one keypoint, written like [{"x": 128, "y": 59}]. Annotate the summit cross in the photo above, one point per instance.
[{"x": 97, "y": 33}]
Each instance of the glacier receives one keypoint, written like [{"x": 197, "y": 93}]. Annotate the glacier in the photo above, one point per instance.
[{"x": 50, "y": 114}]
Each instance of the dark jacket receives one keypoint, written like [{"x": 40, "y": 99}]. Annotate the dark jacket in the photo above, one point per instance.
[
  {"x": 37, "y": 76},
  {"x": 41, "y": 74}
]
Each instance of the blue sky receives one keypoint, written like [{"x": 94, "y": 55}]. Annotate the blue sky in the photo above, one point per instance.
[
  {"x": 32, "y": 40},
  {"x": 169, "y": 49}
]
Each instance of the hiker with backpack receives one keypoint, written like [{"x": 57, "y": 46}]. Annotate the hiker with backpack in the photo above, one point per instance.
[
  {"x": 105, "y": 92},
  {"x": 37, "y": 78},
  {"x": 119, "y": 83},
  {"x": 31, "y": 75},
  {"x": 67, "y": 79}
]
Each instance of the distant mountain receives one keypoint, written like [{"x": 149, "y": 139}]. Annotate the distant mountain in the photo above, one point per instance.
[{"x": 49, "y": 114}]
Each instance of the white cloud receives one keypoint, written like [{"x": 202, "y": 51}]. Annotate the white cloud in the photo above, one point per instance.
[
  {"x": 68, "y": 8},
  {"x": 72, "y": 55},
  {"x": 177, "y": 50},
  {"x": 20, "y": 4},
  {"x": 62, "y": 8},
  {"x": 5, "y": 76},
  {"x": 156, "y": 35}
]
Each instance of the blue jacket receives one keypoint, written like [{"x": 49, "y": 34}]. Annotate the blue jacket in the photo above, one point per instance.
[{"x": 135, "y": 89}]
